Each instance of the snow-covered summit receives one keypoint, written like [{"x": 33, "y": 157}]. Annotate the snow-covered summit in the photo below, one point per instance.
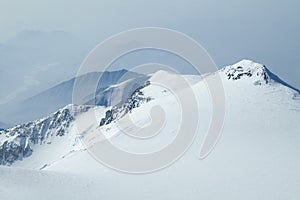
[
  {"x": 248, "y": 69},
  {"x": 255, "y": 72}
]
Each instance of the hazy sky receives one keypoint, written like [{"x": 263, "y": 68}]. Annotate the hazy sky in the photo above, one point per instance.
[{"x": 265, "y": 31}]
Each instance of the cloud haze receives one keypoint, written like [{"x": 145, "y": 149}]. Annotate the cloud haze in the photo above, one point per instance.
[{"x": 266, "y": 31}]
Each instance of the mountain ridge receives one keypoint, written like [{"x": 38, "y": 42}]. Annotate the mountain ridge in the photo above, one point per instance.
[
  {"x": 60, "y": 95},
  {"x": 16, "y": 139}
]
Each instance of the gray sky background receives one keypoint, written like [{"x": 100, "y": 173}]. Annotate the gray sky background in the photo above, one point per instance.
[{"x": 265, "y": 31}]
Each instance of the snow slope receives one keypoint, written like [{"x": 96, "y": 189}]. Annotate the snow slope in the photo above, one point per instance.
[
  {"x": 18, "y": 183},
  {"x": 20, "y": 141},
  {"x": 60, "y": 95},
  {"x": 255, "y": 158}
]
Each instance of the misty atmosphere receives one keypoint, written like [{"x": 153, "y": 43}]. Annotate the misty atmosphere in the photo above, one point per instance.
[{"x": 149, "y": 99}]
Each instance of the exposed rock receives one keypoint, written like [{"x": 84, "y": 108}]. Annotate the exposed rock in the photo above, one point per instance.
[
  {"x": 18, "y": 141},
  {"x": 135, "y": 100}
]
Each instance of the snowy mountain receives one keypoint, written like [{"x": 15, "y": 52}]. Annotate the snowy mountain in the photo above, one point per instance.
[
  {"x": 17, "y": 142},
  {"x": 256, "y": 157},
  {"x": 134, "y": 101},
  {"x": 256, "y": 72},
  {"x": 60, "y": 95}
]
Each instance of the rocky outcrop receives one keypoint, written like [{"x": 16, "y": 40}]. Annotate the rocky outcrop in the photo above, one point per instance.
[
  {"x": 135, "y": 100},
  {"x": 17, "y": 143}
]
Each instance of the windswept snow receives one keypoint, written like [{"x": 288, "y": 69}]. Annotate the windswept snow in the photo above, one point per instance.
[{"x": 255, "y": 158}]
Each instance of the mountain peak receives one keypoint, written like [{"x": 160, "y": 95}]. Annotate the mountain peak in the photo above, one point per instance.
[
  {"x": 249, "y": 63},
  {"x": 256, "y": 72}
]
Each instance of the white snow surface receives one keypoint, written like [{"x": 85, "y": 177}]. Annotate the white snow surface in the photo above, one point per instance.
[{"x": 257, "y": 156}]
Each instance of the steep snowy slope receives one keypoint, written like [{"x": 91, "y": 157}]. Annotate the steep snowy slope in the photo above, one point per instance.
[
  {"x": 60, "y": 95},
  {"x": 256, "y": 157},
  {"x": 57, "y": 130},
  {"x": 18, "y": 142}
]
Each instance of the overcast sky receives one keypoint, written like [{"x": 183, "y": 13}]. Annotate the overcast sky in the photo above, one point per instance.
[{"x": 265, "y": 31}]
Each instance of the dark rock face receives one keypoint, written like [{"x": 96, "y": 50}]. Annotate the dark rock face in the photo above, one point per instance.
[
  {"x": 257, "y": 72},
  {"x": 18, "y": 141},
  {"x": 135, "y": 100},
  {"x": 11, "y": 151},
  {"x": 236, "y": 73}
]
